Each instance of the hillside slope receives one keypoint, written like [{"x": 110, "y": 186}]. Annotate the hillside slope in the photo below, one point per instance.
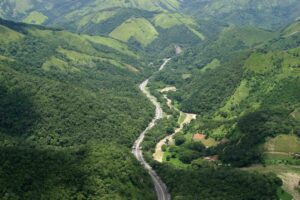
[
  {"x": 101, "y": 17},
  {"x": 263, "y": 13},
  {"x": 70, "y": 110},
  {"x": 248, "y": 79},
  {"x": 244, "y": 87}
]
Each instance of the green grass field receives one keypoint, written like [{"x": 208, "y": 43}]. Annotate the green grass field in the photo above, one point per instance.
[
  {"x": 259, "y": 63},
  {"x": 165, "y": 20},
  {"x": 212, "y": 65},
  {"x": 95, "y": 18},
  {"x": 181, "y": 118},
  {"x": 292, "y": 29},
  {"x": 283, "y": 143},
  {"x": 55, "y": 63},
  {"x": 35, "y": 18},
  {"x": 138, "y": 28},
  {"x": 8, "y": 35},
  {"x": 280, "y": 150},
  {"x": 241, "y": 93}
]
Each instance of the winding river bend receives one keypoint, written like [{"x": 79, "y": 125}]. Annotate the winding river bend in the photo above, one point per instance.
[{"x": 160, "y": 187}]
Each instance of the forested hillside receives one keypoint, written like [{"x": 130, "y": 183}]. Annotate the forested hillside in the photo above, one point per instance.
[
  {"x": 70, "y": 110},
  {"x": 151, "y": 25},
  {"x": 244, "y": 87},
  {"x": 270, "y": 14},
  {"x": 234, "y": 84},
  {"x": 142, "y": 24}
]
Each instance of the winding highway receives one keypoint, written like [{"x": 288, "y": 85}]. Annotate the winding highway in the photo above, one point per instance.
[{"x": 160, "y": 187}]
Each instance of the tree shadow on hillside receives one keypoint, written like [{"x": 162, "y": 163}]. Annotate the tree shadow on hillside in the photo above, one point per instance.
[
  {"x": 30, "y": 173},
  {"x": 17, "y": 114}
]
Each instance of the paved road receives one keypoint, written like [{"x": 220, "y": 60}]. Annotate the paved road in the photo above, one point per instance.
[{"x": 160, "y": 187}]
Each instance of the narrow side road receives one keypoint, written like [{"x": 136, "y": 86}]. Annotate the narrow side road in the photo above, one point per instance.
[{"x": 160, "y": 187}]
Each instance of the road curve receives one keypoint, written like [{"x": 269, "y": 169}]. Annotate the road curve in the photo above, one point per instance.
[{"x": 160, "y": 187}]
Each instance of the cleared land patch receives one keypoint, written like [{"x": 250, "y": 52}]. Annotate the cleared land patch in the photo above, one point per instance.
[
  {"x": 283, "y": 143},
  {"x": 208, "y": 142},
  {"x": 8, "y": 35},
  {"x": 112, "y": 43},
  {"x": 139, "y": 29},
  {"x": 292, "y": 29},
  {"x": 35, "y": 18},
  {"x": 212, "y": 65}
]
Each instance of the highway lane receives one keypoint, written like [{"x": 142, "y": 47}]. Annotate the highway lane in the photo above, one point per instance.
[{"x": 160, "y": 187}]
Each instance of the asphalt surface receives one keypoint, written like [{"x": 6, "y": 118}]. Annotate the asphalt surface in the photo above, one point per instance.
[{"x": 160, "y": 187}]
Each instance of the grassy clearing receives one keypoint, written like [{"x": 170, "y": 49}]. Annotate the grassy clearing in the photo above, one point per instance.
[
  {"x": 292, "y": 29},
  {"x": 35, "y": 18},
  {"x": 200, "y": 35},
  {"x": 209, "y": 142},
  {"x": 166, "y": 21},
  {"x": 55, "y": 63},
  {"x": 212, "y": 65},
  {"x": 241, "y": 93},
  {"x": 73, "y": 40},
  {"x": 181, "y": 118},
  {"x": 218, "y": 132},
  {"x": 186, "y": 76},
  {"x": 87, "y": 60},
  {"x": 259, "y": 63},
  {"x": 264, "y": 63},
  {"x": 84, "y": 43},
  {"x": 95, "y": 18},
  {"x": 112, "y": 43},
  {"x": 248, "y": 35},
  {"x": 8, "y": 35},
  {"x": 283, "y": 143},
  {"x": 251, "y": 36},
  {"x": 4, "y": 58},
  {"x": 138, "y": 28},
  {"x": 279, "y": 150}
]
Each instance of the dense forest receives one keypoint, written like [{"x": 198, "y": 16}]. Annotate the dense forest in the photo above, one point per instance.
[
  {"x": 202, "y": 182},
  {"x": 70, "y": 111}
]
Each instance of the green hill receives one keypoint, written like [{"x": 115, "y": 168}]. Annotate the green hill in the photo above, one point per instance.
[
  {"x": 262, "y": 13},
  {"x": 65, "y": 132},
  {"x": 243, "y": 84},
  {"x": 138, "y": 29},
  {"x": 235, "y": 80},
  {"x": 70, "y": 106},
  {"x": 109, "y": 18}
]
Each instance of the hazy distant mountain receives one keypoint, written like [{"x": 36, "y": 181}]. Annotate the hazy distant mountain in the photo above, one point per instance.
[{"x": 265, "y": 13}]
